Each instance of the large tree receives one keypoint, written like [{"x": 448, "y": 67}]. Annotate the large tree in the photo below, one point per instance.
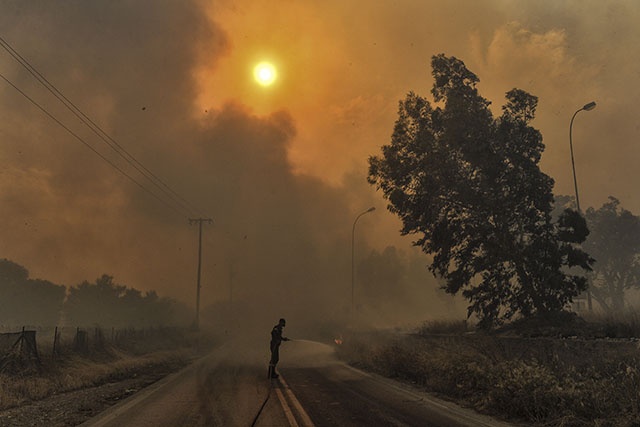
[
  {"x": 614, "y": 242},
  {"x": 470, "y": 187},
  {"x": 106, "y": 303},
  {"x": 25, "y": 301}
]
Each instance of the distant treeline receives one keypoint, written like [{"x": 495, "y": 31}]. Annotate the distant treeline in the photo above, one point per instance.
[{"x": 26, "y": 301}]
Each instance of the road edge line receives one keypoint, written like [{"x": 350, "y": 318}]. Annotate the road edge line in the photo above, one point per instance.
[
  {"x": 114, "y": 411},
  {"x": 451, "y": 407}
]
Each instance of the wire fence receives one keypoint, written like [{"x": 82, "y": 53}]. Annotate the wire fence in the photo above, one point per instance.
[{"x": 28, "y": 348}]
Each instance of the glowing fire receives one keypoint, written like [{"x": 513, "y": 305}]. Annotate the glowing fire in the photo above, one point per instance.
[{"x": 339, "y": 340}]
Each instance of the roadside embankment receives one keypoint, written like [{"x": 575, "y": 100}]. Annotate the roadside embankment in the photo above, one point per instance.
[
  {"x": 76, "y": 386},
  {"x": 541, "y": 381}
]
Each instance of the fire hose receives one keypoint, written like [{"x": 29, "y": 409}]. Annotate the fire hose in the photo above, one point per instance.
[
  {"x": 271, "y": 371},
  {"x": 255, "y": 420}
]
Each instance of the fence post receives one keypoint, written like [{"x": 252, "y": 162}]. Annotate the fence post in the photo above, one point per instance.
[{"x": 55, "y": 341}]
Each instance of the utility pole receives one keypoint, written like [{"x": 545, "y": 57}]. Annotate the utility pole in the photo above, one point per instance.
[
  {"x": 231, "y": 276},
  {"x": 199, "y": 221}
]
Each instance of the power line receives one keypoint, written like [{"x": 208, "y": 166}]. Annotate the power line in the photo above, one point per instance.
[
  {"x": 52, "y": 117},
  {"x": 98, "y": 131},
  {"x": 123, "y": 153}
]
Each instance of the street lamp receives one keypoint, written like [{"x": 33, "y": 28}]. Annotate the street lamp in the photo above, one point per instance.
[
  {"x": 587, "y": 107},
  {"x": 353, "y": 237}
]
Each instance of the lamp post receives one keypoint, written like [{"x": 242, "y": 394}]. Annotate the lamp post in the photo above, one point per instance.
[
  {"x": 353, "y": 238},
  {"x": 587, "y": 107}
]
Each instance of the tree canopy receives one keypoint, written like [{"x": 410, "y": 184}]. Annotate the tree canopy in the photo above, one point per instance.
[
  {"x": 469, "y": 186},
  {"x": 614, "y": 242},
  {"x": 36, "y": 302},
  {"x": 25, "y": 301},
  {"x": 107, "y": 303}
]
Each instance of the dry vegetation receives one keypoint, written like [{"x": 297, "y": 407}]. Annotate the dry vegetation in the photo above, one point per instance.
[
  {"x": 70, "y": 371},
  {"x": 559, "y": 380}
]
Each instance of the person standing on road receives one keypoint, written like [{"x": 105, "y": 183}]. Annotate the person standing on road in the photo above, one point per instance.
[{"x": 276, "y": 340}]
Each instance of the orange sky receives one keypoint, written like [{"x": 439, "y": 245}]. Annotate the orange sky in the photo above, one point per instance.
[
  {"x": 281, "y": 169},
  {"x": 344, "y": 67}
]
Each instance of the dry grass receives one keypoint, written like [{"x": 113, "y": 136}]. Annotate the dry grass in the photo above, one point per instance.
[
  {"x": 104, "y": 362},
  {"x": 77, "y": 372},
  {"x": 543, "y": 381},
  {"x": 448, "y": 327}
]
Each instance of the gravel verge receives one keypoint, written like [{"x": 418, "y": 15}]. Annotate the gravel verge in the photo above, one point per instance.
[{"x": 75, "y": 407}]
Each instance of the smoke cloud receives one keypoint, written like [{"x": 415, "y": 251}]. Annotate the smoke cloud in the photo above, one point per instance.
[{"x": 281, "y": 171}]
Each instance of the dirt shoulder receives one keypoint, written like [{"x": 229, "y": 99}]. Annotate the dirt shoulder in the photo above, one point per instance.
[{"x": 72, "y": 408}]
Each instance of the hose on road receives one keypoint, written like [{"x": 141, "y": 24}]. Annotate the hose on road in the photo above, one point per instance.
[{"x": 255, "y": 420}]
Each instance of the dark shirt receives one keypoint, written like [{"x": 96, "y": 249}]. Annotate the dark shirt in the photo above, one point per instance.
[{"x": 276, "y": 335}]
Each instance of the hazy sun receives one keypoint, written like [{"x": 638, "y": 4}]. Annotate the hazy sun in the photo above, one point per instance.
[{"x": 265, "y": 73}]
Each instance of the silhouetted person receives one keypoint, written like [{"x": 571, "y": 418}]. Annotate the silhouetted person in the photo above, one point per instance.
[{"x": 276, "y": 340}]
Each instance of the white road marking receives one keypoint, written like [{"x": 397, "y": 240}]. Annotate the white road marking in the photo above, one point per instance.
[
  {"x": 453, "y": 409},
  {"x": 110, "y": 414}
]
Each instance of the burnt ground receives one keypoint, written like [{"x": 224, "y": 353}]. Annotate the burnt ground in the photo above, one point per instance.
[{"x": 75, "y": 407}]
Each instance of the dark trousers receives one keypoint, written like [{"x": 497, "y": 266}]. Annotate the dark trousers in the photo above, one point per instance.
[{"x": 275, "y": 354}]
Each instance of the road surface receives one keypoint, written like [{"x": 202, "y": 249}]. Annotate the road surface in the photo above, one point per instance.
[{"x": 229, "y": 388}]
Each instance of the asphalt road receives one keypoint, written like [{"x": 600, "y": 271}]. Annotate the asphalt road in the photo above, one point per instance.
[{"x": 230, "y": 388}]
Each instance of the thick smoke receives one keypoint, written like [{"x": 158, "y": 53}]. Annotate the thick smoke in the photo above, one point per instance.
[
  {"x": 280, "y": 241},
  {"x": 281, "y": 173}
]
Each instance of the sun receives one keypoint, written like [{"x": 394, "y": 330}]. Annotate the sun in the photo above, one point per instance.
[{"x": 265, "y": 73}]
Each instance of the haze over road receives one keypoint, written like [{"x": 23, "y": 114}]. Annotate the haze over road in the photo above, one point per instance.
[{"x": 229, "y": 387}]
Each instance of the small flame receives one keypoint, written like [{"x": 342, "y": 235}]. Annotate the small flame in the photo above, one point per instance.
[{"x": 339, "y": 340}]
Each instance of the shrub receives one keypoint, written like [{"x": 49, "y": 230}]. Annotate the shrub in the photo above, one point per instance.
[{"x": 556, "y": 382}]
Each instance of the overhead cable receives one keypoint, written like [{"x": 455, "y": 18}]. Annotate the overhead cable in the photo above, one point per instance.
[
  {"x": 75, "y": 135},
  {"x": 98, "y": 131}
]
